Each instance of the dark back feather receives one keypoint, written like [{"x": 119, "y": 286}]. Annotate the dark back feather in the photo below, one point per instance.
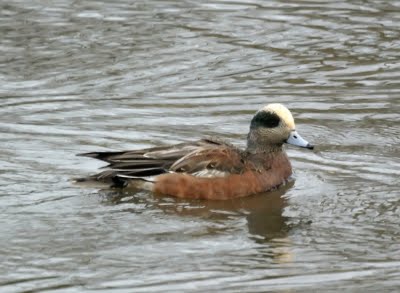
[{"x": 184, "y": 157}]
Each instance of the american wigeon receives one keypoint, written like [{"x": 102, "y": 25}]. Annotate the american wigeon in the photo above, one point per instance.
[{"x": 210, "y": 168}]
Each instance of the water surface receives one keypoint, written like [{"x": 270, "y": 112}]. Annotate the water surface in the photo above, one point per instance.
[{"x": 109, "y": 75}]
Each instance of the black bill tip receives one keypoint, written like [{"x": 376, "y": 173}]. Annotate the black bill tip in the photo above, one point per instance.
[{"x": 310, "y": 147}]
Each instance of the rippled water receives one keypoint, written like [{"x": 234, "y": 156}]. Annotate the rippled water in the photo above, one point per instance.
[{"x": 80, "y": 76}]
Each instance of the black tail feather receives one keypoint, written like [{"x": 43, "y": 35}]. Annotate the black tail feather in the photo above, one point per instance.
[{"x": 118, "y": 182}]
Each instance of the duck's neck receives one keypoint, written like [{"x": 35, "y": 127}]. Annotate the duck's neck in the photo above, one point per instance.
[{"x": 256, "y": 145}]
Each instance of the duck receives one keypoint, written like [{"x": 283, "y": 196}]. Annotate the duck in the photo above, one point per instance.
[{"x": 209, "y": 168}]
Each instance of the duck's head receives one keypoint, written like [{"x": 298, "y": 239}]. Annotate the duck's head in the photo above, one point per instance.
[{"x": 271, "y": 127}]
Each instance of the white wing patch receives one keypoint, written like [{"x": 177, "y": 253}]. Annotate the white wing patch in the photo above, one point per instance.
[
  {"x": 210, "y": 173},
  {"x": 145, "y": 183}
]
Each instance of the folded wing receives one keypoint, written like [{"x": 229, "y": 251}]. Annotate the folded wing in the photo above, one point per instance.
[{"x": 204, "y": 158}]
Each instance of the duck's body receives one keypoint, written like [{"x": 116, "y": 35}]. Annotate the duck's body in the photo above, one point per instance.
[{"x": 210, "y": 168}]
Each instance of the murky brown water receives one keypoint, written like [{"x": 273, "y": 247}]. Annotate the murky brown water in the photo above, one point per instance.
[{"x": 81, "y": 76}]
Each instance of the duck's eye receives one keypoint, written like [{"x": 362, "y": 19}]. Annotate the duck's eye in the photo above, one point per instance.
[{"x": 265, "y": 119}]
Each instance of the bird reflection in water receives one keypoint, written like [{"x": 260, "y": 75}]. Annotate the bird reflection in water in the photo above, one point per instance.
[{"x": 266, "y": 223}]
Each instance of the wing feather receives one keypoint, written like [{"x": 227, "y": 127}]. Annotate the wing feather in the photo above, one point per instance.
[
  {"x": 208, "y": 157},
  {"x": 206, "y": 162}
]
